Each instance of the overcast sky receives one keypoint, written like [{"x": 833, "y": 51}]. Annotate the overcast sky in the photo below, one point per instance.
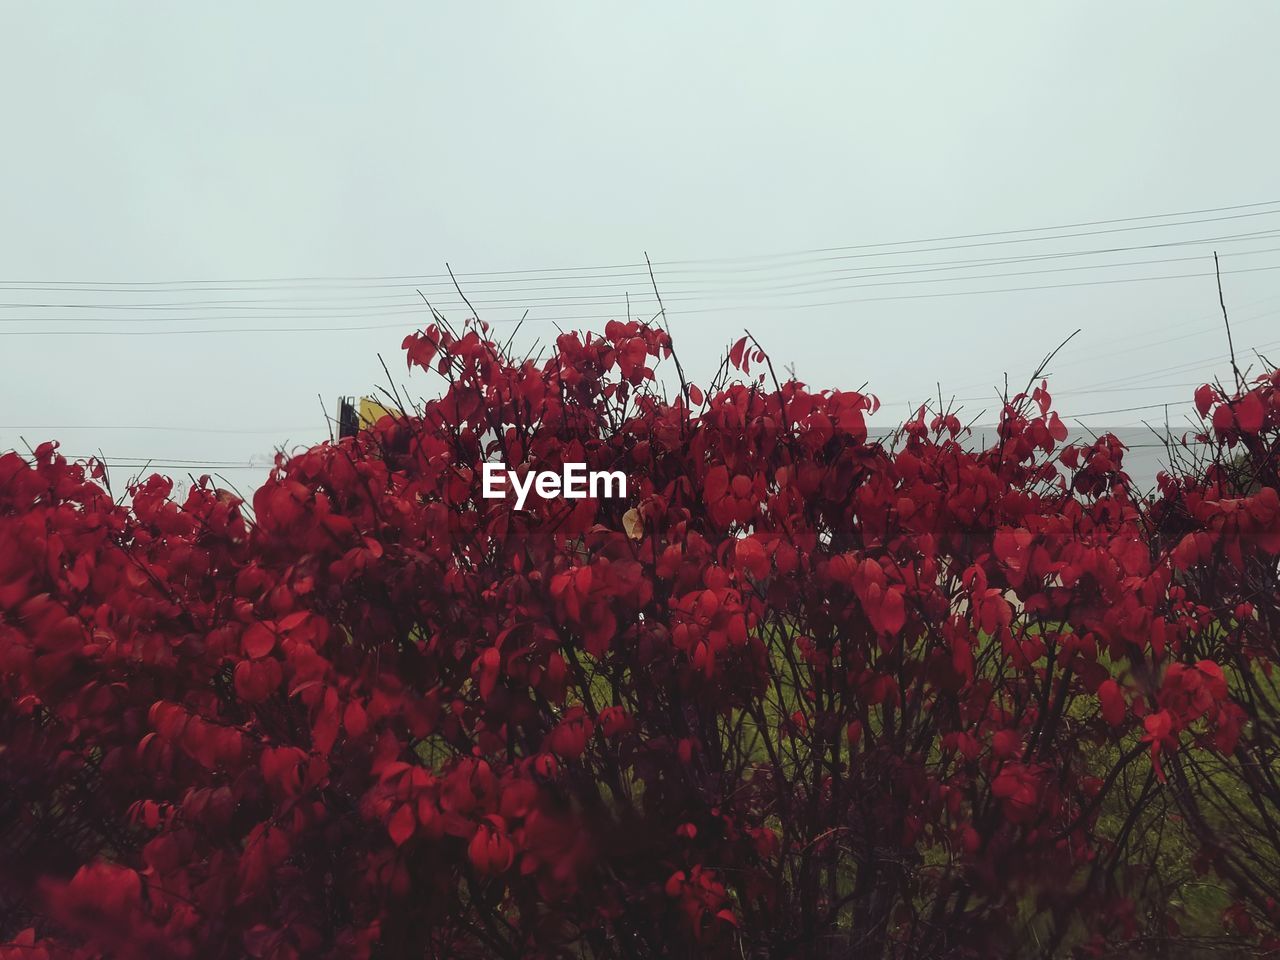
[{"x": 229, "y": 143}]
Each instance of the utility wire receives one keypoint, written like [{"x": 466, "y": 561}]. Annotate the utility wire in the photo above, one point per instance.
[
  {"x": 1020, "y": 235},
  {"x": 134, "y": 426},
  {"x": 587, "y": 301},
  {"x": 449, "y": 293},
  {"x": 587, "y": 318}
]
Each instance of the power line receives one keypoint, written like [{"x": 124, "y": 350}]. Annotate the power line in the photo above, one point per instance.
[
  {"x": 450, "y": 294},
  {"x": 970, "y": 293},
  {"x": 1060, "y": 236},
  {"x": 1145, "y": 406},
  {"x": 135, "y": 426},
  {"x": 1020, "y": 235},
  {"x": 1023, "y": 230},
  {"x": 141, "y": 465},
  {"x": 187, "y": 467},
  {"x": 587, "y": 318},
  {"x": 1186, "y": 367},
  {"x": 1067, "y": 394},
  {"x": 168, "y": 461},
  {"x": 572, "y": 301}
]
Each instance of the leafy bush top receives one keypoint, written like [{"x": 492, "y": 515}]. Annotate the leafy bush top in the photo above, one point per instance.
[{"x": 799, "y": 694}]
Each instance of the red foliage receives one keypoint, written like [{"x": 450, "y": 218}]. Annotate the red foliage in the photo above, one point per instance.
[{"x": 798, "y": 690}]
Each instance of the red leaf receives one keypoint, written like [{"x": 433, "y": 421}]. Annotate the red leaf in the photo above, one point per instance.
[
  {"x": 354, "y": 720},
  {"x": 402, "y": 825},
  {"x": 1223, "y": 419},
  {"x": 751, "y": 557},
  {"x": 1006, "y": 744},
  {"x": 259, "y": 640},
  {"x": 1205, "y": 395},
  {"x": 1057, "y": 429},
  {"x": 1249, "y": 413},
  {"x": 853, "y": 732},
  {"x": 893, "y": 612},
  {"x": 1111, "y": 697}
]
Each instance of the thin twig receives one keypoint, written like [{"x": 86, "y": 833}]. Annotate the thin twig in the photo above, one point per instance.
[
  {"x": 666, "y": 323},
  {"x": 458, "y": 287},
  {"x": 392, "y": 383},
  {"x": 327, "y": 419},
  {"x": 1223, "y": 303}
]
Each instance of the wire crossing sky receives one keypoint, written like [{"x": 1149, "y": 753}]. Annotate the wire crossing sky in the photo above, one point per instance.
[{"x": 217, "y": 219}]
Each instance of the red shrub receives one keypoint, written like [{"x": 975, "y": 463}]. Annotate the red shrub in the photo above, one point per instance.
[{"x": 797, "y": 694}]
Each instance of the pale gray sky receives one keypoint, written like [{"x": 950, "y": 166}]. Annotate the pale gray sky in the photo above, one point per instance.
[{"x": 236, "y": 141}]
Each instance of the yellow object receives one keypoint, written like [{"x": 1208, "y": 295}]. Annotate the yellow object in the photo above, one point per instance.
[{"x": 371, "y": 411}]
